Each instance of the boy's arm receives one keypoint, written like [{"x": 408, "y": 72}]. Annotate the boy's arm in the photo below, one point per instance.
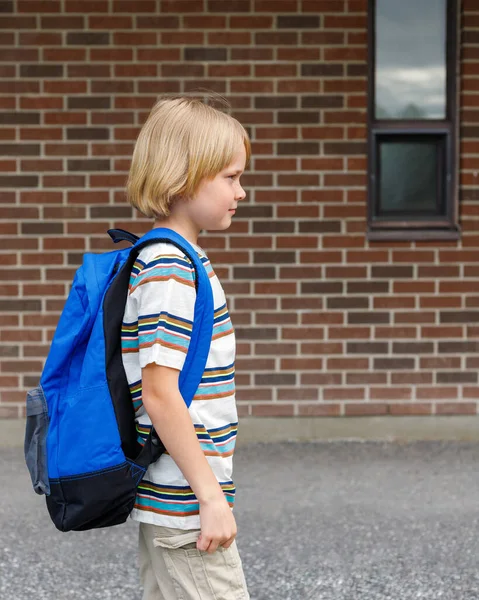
[{"x": 171, "y": 419}]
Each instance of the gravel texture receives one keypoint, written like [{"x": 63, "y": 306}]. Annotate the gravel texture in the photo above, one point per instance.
[{"x": 321, "y": 521}]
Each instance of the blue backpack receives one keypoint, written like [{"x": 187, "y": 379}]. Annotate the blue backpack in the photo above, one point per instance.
[{"x": 81, "y": 443}]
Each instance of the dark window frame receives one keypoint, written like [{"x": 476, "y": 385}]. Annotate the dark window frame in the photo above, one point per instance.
[{"x": 414, "y": 228}]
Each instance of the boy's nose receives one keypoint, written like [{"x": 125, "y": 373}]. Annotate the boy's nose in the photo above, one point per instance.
[{"x": 241, "y": 195}]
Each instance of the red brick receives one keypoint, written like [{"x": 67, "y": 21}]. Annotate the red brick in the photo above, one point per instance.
[
  {"x": 390, "y": 393},
  {"x": 322, "y": 6},
  {"x": 462, "y": 287},
  {"x": 7, "y": 133},
  {"x": 436, "y": 393},
  {"x": 181, "y": 6},
  {"x": 323, "y": 38},
  {"x": 297, "y": 86},
  {"x": 275, "y": 288},
  {"x": 330, "y": 133},
  {"x": 411, "y": 408},
  {"x": 321, "y": 348},
  {"x": 440, "y": 302},
  {"x": 299, "y": 333},
  {"x": 346, "y": 272},
  {"x": 7, "y": 165},
  {"x": 339, "y": 241},
  {"x": 63, "y": 243},
  {"x": 361, "y": 409},
  {"x": 414, "y": 317},
  {"x": 297, "y": 394},
  {"x": 394, "y": 302},
  {"x": 345, "y": 364},
  {"x": 35, "y": 133},
  {"x": 43, "y": 290},
  {"x": 280, "y": 6},
  {"x": 413, "y": 287},
  {"x": 470, "y": 392},
  {"x": 272, "y": 410},
  {"x": 8, "y": 335},
  {"x": 456, "y": 408},
  {"x": 395, "y": 332},
  {"x": 345, "y": 54},
  {"x": 39, "y": 6},
  {"x": 412, "y": 377},
  {"x": 249, "y": 22},
  {"x": 442, "y": 332},
  {"x": 345, "y": 22},
  {"x": 41, "y": 258},
  {"x": 9, "y": 381},
  {"x": 357, "y": 164},
  {"x": 349, "y": 333},
  {"x": 298, "y": 53},
  {"x": 366, "y": 378},
  {"x": 10, "y": 320},
  {"x": 322, "y": 318},
  {"x": 347, "y": 393}
]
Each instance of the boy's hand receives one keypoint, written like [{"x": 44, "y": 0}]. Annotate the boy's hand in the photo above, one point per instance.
[{"x": 218, "y": 525}]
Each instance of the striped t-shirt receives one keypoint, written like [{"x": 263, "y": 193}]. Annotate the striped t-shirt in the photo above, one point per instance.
[{"x": 157, "y": 326}]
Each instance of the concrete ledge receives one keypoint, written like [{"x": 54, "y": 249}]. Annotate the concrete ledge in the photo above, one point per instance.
[
  {"x": 401, "y": 429},
  {"x": 274, "y": 429},
  {"x": 12, "y": 433}
]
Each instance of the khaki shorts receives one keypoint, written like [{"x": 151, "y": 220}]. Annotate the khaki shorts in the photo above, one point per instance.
[{"x": 172, "y": 568}]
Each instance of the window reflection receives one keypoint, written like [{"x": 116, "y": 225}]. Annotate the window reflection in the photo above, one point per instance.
[
  {"x": 408, "y": 177},
  {"x": 410, "y": 59}
]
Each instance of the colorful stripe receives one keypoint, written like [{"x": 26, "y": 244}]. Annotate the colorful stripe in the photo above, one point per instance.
[
  {"x": 207, "y": 265},
  {"x": 163, "y": 328},
  {"x": 174, "y": 501},
  {"x": 143, "y": 432},
  {"x": 222, "y": 324},
  {"x": 137, "y": 268},
  {"x": 164, "y": 268},
  {"x": 216, "y": 383},
  {"x": 136, "y": 395},
  {"x": 219, "y": 442}
]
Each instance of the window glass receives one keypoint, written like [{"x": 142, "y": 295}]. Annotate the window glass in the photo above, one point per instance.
[
  {"x": 410, "y": 59},
  {"x": 408, "y": 177}
]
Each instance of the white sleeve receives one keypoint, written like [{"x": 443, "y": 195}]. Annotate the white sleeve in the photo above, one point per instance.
[{"x": 165, "y": 295}]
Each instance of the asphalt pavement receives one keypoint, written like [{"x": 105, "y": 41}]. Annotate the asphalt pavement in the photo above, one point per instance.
[{"x": 320, "y": 521}]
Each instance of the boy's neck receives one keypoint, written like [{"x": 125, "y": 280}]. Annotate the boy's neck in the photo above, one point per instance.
[{"x": 187, "y": 230}]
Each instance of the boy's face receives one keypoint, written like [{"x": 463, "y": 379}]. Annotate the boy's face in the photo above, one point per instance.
[{"x": 212, "y": 207}]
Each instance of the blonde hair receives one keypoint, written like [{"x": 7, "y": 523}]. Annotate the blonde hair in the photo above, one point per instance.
[{"x": 183, "y": 141}]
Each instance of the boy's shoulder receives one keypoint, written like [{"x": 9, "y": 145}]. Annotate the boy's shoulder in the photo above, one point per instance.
[{"x": 160, "y": 250}]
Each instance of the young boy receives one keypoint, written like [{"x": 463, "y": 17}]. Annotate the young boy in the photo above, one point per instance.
[{"x": 185, "y": 173}]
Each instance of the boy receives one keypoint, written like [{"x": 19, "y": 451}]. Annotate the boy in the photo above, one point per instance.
[{"x": 185, "y": 174}]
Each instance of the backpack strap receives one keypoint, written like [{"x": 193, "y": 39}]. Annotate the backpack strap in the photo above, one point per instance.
[
  {"x": 120, "y": 235},
  {"x": 199, "y": 347}
]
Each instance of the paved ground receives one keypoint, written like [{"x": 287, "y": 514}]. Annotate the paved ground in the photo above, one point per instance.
[{"x": 323, "y": 521}]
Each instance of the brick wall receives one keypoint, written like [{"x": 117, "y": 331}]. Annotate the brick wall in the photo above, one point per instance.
[{"x": 327, "y": 323}]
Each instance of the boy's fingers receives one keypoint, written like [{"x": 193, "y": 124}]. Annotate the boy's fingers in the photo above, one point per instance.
[
  {"x": 203, "y": 543},
  {"x": 228, "y": 543},
  {"x": 213, "y": 547}
]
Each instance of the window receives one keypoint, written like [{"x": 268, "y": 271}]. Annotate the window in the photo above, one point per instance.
[{"x": 413, "y": 57}]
